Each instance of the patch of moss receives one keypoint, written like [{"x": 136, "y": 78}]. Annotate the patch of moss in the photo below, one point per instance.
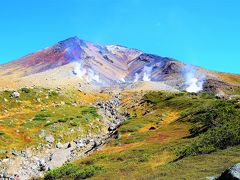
[
  {"x": 74, "y": 171},
  {"x": 41, "y": 117}
]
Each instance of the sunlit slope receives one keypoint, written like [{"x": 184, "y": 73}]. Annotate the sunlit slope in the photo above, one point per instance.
[
  {"x": 74, "y": 61},
  {"x": 165, "y": 137},
  {"x": 43, "y": 111}
]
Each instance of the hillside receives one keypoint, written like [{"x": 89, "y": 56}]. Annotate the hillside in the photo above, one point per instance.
[
  {"x": 78, "y": 110},
  {"x": 166, "y": 137}
]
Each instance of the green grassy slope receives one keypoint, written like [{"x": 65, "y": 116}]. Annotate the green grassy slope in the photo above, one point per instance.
[
  {"x": 65, "y": 115},
  {"x": 168, "y": 136}
]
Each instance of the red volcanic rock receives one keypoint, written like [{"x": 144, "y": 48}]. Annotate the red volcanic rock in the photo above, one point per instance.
[{"x": 108, "y": 65}]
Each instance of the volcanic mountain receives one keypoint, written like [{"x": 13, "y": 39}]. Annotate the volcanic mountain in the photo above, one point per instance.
[{"x": 75, "y": 62}]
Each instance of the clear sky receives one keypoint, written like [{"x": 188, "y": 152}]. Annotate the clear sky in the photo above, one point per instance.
[{"x": 200, "y": 32}]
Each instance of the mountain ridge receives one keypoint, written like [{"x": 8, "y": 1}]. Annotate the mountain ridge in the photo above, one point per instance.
[{"x": 105, "y": 65}]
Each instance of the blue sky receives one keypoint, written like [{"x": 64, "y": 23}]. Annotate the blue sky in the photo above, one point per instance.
[{"x": 200, "y": 32}]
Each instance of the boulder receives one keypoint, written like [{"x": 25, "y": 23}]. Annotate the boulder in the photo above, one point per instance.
[
  {"x": 24, "y": 153},
  {"x": 4, "y": 175},
  {"x": 152, "y": 128},
  {"x": 49, "y": 139},
  {"x": 15, "y": 94},
  {"x": 80, "y": 143},
  {"x": 116, "y": 135},
  {"x": 14, "y": 152},
  {"x": 59, "y": 145},
  {"x": 68, "y": 145},
  {"x": 11, "y": 178},
  {"x": 232, "y": 173},
  {"x": 112, "y": 127},
  {"x": 42, "y": 165}
]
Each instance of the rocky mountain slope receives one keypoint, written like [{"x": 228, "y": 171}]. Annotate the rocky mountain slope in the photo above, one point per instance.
[
  {"x": 75, "y": 61},
  {"x": 33, "y": 162},
  {"x": 61, "y": 104}
]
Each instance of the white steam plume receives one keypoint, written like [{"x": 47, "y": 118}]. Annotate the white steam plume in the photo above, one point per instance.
[
  {"x": 193, "y": 81},
  {"x": 136, "y": 78},
  {"x": 79, "y": 70},
  {"x": 147, "y": 73},
  {"x": 92, "y": 76},
  {"x": 123, "y": 80}
]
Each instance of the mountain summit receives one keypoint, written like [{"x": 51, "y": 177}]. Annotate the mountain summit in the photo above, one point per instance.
[{"x": 74, "y": 60}]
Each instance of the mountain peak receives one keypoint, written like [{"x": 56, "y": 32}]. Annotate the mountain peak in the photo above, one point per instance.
[{"x": 72, "y": 41}]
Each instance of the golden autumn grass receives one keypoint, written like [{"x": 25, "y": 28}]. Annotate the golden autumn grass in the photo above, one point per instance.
[
  {"x": 148, "y": 140},
  {"x": 17, "y": 125},
  {"x": 140, "y": 150}
]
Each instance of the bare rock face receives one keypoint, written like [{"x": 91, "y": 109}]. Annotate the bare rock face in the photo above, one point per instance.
[
  {"x": 214, "y": 86},
  {"x": 72, "y": 60},
  {"x": 171, "y": 68}
]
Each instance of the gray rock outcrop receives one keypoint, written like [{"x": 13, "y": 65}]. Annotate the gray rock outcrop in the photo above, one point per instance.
[{"x": 232, "y": 173}]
